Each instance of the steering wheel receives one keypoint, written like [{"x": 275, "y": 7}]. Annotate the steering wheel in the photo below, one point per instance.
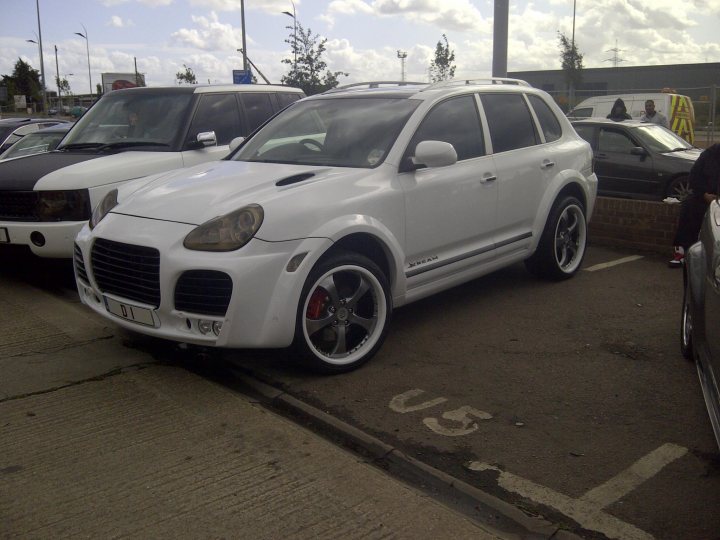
[{"x": 312, "y": 143}]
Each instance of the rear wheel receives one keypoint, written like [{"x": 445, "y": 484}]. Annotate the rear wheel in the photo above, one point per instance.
[
  {"x": 562, "y": 245},
  {"x": 343, "y": 314},
  {"x": 679, "y": 188}
]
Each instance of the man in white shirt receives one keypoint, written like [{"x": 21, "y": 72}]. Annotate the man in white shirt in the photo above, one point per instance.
[{"x": 652, "y": 116}]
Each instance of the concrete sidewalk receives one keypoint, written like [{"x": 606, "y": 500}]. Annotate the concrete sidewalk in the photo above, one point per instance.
[{"x": 97, "y": 440}]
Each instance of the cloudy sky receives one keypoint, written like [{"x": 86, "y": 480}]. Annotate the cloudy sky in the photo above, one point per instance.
[{"x": 363, "y": 36}]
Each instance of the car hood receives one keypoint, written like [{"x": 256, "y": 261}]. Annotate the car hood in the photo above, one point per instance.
[
  {"x": 75, "y": 170},
  {"x": 691, "y": 154},
  {"x": 198, "y": 194}
]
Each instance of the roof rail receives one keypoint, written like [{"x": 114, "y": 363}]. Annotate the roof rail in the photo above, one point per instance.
[
  {"x": 373, "y": 84},
  {"x": 464, "y": 82}
]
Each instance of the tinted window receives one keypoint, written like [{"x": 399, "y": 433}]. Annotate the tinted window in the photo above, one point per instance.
[
  {"x": 511, "y": 125},
  {"x": 582, "y": 113},
  {"x": 614, "y": 141},
  {"x": 218, "y": 113},
  {"x": 257, "y": 109},
  {"x": 454, "y": 121},
  {"x": 285, "y": 99},
  {"x": 548, "y": 121},
  {"x": 586, "y": 132}
]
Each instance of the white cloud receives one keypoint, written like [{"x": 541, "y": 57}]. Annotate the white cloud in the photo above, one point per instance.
[
  {"x": 209, "y": 35},
  {"x": 118, "y": 22},
  {"x": 270, "y": 6}
]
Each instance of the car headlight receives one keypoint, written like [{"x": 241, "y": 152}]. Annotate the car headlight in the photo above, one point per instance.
[
  {"x": 103, "y": 209},
  {"x": 226, "y": 233},
  {"x": 73, "y": 205}
]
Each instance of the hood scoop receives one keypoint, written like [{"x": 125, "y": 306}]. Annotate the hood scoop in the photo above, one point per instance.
[{"x": 294, "y": 179}]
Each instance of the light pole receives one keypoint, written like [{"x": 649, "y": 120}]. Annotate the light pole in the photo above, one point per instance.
[
  {"x": 42, "y": 63},
  {"x": 294, "y": 33},
  {"x": 87, "y": 46},
  {"x": 57, "y": 80},
  {"x": 244, "y": 47},
  {"x": 402, "y": 55},
  {"x": 42, "y": 74}
]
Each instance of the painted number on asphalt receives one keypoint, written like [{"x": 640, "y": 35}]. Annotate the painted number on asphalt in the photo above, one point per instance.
[{"x": 458, "y": 422}]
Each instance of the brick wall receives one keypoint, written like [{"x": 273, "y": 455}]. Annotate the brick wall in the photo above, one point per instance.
[{"x": 627, "y": 223}]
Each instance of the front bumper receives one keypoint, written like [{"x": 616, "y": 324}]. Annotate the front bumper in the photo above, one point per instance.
[
  {"x": 264, "y": 299},
  {"x": 45, "y": 239}
]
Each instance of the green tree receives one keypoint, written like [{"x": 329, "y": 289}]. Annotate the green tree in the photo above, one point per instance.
[
  {"x": 63, "y": 85},
  {"x": 187, "y": 76},
  {"x": 24, "y": 81},
  {"x": 310, "y": 72},
  {"x": 571, "y": 62},
  {"x": 442, "y": 67}
]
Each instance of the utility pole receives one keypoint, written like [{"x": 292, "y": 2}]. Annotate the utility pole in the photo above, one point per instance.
[
  {"x": 402, "y": 55},
  {"x": 244, "y": 47},
  {"x": 500, "y": 38},
  {"x": 57, "y": 80},
  {"x": 615, "y": 58},
  {"x": 42, "y": 62}
]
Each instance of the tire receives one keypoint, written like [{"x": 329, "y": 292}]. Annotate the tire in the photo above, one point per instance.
[
  {"x": 679, "y": 188},
  {"x": 343, "y": 313},
  {"x": 562, "y": 245},
  {"x": 686, "y": 342}
]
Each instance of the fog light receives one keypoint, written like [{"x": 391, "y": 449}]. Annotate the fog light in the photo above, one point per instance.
[
  {"x": 217, "y": 326},
  {"x": 37, "y": 238},
  {"x": 205, "y": 327}
]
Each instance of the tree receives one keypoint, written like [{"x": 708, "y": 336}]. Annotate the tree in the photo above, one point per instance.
[
  {"x": 24, "y": 81},
  {"x": 572, "y": 64},
  {"x": 187, "y": 77},
  {"x": 442, "y": 67},
  {"x": 63, "y": 85},
  {"x": 307, "y": 73}
]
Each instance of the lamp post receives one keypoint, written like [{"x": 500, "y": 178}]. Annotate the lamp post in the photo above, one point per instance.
[
  {"x": 57, "y": 80},
  {"x": 244, "y": 46},
  {"x": 42, "y": 73},
  {"x": 87, "y": 46},
  {"x": 294, "y": 33}
]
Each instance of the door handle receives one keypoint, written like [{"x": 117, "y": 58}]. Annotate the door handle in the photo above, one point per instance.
[
  {"x": 547, "y": 164},
  {"x": 488, "y": 178}
]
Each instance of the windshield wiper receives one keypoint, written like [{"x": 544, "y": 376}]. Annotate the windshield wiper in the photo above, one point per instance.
[
  {"x": 76, "y": 146},
  {"x": 678, "y": 149},
  {"x": 128, "y": 144}
]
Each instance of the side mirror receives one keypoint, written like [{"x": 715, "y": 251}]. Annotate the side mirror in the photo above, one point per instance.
[
  {"x": 638, "y": 151},
  {"x": 207, "y": 138},
  {"x": 435, "y": 154},
  {"x": 237, "y": 141}
]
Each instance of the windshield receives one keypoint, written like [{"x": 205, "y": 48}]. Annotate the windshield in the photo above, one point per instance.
[
  {"x": 34, "y": 143},
  {"x": 340, "y": 132},
  {"x": 130, "y": 119},
  {"x": 660, "y": 139}
]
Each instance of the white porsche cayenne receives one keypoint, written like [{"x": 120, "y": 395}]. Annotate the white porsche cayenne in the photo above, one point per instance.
[{"x": 342, "y": 207}]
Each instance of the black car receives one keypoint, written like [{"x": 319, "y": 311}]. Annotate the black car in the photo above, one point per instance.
[
  {"x": 14, "y": 129},
  {"x": 699, "y": 338},
  {"x": 638, "y": 160}
]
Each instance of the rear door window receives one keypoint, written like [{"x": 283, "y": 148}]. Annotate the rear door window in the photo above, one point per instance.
[
  {"x": 258, "y": 108},
  {"x": 511, "y": 125},
  {"x": 611, "y": 140},
  {"x": 285, "y": 99},
  {"x": 218, "y": 113}
]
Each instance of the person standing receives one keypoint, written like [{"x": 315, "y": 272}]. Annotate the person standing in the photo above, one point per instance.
[
  {"x": 704, "y": 181},
  {"x": 653, "y": 116},
  {"x": 619, "y": 111}
]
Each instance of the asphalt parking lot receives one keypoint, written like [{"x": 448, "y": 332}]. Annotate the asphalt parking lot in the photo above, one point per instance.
[{"x": 570, "y": 400}]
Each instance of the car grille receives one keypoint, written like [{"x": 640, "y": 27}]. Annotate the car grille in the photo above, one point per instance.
[
  {"x": 19, "y": 205},
  {"x": 205, "y": 292},
  {"x": 129, "y": 271},
  {"x": 80, "y": 264}
]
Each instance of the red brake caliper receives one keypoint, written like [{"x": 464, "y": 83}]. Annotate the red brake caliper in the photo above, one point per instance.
[{"x": 317, "y": 303}]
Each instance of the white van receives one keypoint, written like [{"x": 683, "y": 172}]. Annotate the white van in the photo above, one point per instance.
[{"x": 678, "y": 109}]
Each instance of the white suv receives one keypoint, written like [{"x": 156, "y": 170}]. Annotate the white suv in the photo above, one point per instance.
[
  {"x": 344, "y": 206},
  {"x": 45, "y": 199}
]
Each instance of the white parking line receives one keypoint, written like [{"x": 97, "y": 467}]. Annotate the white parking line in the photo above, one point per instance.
[
  {"x": 610, "y": 264},
  {"x": 588, "y": 509}
]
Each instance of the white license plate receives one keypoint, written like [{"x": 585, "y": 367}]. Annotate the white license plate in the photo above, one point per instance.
[
  {"x": 4, "y": 236},
  {"x": 134, "y": 314}
]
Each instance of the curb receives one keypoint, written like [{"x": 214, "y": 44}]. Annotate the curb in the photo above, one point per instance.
[{"x": 501, "y": 517}]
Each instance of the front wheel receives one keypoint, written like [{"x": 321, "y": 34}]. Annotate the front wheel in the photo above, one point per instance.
[
  {"x": 562, "y": 245},
  {"x": 679, "y": 188},
  {"x": 343, "y": 313}
]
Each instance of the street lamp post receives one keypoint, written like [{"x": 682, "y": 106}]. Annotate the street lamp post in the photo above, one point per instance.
[
  {"x": 402, "y": 55},
  {"x": 294, "y": 33},
  {"x": 42, "y": 63},
  {"x": 57, "y": 80},
  {"x": 42, "y": 73},
  {"x": 244, "y": 46},
  {"x": 87, "y": 46}
]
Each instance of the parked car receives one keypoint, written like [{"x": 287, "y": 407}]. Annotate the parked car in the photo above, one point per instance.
[
  {"x": 14, "y": 129},
  {"x": 638, "y": 160},
  {"x": 342, "y": 207},
  {"x": 46, "y": 199},
  {"x": 37, "y": 142},
  {"x": 678, "y": 109},
  {"x": 699, "y": 339},
  {"x": 77, "y": 111}
]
